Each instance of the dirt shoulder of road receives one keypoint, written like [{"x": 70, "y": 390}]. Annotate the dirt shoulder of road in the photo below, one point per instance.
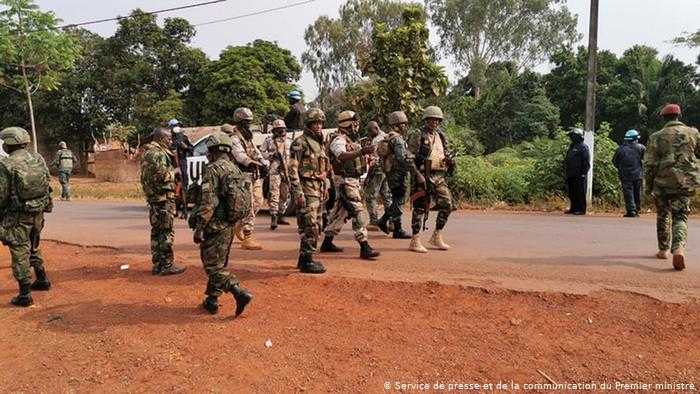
[{"x": 105, "y": 329}]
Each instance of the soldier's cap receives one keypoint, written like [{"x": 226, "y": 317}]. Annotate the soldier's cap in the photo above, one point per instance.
[
  {"x": 631, "y": 135},
  {"x": 278, "y": 124},
  {"x": 671, "y": 109}
]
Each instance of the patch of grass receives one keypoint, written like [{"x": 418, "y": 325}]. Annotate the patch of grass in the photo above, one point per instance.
[{"x": 82, "y": 189}]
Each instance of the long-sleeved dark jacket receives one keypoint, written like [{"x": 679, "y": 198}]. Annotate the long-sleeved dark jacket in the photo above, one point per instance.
[
  {"x": 628, "y": 161},
  {"x": 577, "y": 161}
]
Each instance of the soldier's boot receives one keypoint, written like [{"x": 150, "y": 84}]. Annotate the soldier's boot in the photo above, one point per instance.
[
  {"x": 373, "y": 225},
  {"x": 382, "y": 224},
  {"x": 211, "y": 305},
  {"x": 416, "y": 245},
  {"x": 366, "y": 251},
  {"x": 24, "y": 298},
  {"x": 242, "y": 297},
  {"x": 437, "y": 241},
  {"x": 328, "y": 246},
  {"x": 679, "y": 260},
  {"x": 398, "y": 231},
  {"x": 249, "y": 243},
  {"x": 308, "y": 266},
  {"x": 156, "y": 269},
  {"x": 273, "y": 222},
  {"x": 42, "y": 282},
  {"x": 662, "y": 255},
  {"x": 238, "y": 231},
  {"x": 171, "y": 269},
  {"x": 282, "y": 221}
]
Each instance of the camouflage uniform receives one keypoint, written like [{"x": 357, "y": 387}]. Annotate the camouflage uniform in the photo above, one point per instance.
[
  {"x": 158, "y": 183},
  {"x": 672, "y": 174},
  {"x": 279, "y": 185},
  {"x": 398, "y": 165},
  {"x": 64, "y": 161},
  {"x": 376, "y": 183}
]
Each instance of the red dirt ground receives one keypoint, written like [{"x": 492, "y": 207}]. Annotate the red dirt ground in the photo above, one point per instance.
[{"x": 105, "y": 330}]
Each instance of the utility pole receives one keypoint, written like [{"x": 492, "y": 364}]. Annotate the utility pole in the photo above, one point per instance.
[{"x": 589, "y": 135}]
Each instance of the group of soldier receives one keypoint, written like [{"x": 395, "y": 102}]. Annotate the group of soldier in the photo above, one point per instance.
[{"x": 230, "y": 193}]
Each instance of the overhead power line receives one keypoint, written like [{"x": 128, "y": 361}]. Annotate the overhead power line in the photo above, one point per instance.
[{"x": 266, "y": 11}]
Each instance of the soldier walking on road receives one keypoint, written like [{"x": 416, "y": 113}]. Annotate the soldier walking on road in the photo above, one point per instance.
[
  {"x": 672, "y": 176},
  {"x": 64, "y": 162},
  {"x": 308, "y": 169},
  {"x": 348, "y": 162},
  {"x": 376, "y": 183},
  {"x": 25, "y": 196},
  {"x": 252, "y": 163},
  {"x": 429, "y": 146},
  {"x": 223, "y": 202},
  {"x": 628, "y": 161},
  {"x": 276, "y": 150},
  {"x": 158, "y": 183},
  {"x": 576, "y": 165}
]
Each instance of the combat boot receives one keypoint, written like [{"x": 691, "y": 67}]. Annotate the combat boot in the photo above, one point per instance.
[
  {"x": 366, "y": 251},
  {"x": 328, "y": 246},
  {"x": 416, "y": 245},
  {"x": 242, "y": 297},
  {"x": 211, "y": 305},
  {"x": 24, "y": 298},
  {"x": 437, "y": 241},
  {"x": 382, "y": 224},
  {"x": 171, "y": 269},
  {"x": 282, "y": 221},
  {"x": 273, "y": 222},
  {"x": 249, "y": 243},
  {"x": 308, "y": 266},
  {"x": 662, "y": 255},
  {"x": 373, "y": 226},
  {"x": 156, "y": 269},
  {"x": 398, "y": 231},
  {"x": 679, "y": 260},
  {"x": 42, "y": 282}
]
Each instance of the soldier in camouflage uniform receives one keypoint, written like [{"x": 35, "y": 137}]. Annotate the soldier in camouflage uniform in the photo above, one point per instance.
[
  {"x": 252, "y": 163},
  {"x": 375, "y": 183},
  {"x": 672, "y": 175},
  {"x": 430, "y": 146},
  {"x": 348, "y": 161},
  {"x": 64, "y": 162},
  {"x": 24, "y": 197},
  {"x": 275, "y": 149},
  {"x": 398, "y": 163},
  {"x": 224, "y": 201},
  {"x": 308, "y": 169},
  {"x": 158, "y": 183}
]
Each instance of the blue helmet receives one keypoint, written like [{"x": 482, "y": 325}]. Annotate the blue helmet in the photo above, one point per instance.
[
  {"x": 173, "y": 122},
  {"x": 631, "y": 135},
  {"x": 294, "y": 95}
]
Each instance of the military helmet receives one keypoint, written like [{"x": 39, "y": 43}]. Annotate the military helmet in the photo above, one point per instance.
[
  {"x": 397, "y": 117},
  {"x": 576, "y": 131},
  {"x": 15, "y": 136},
  {"x": 294, "y": 95},
  {"x": 346, "y": 118},
  {"x": 241, "y": 114},
  {"x": 62, "y": 145},
  {"x": 314, "y": 115},
  {"x": 631, "y": 135},
  {"x": 671, "y": 109},
  {"x": 173, "y": 122},
  {"x": 433, "y": 112},
  {"x": 219, "y": 139},
  {"x": 278, "y": 124}
]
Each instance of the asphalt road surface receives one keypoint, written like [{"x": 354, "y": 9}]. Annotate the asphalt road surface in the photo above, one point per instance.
[{"x": 493, "y": 250}]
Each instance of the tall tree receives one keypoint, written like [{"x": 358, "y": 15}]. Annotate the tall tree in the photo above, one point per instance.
[
  {"x": 476, "y": 33},
  {"x": 33, "y": 51}
]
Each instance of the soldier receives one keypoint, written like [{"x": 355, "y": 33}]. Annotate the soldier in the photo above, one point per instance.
[
  {"x": 376, "y": 182},
  {"x": 429, "y": 147},
  {"x": 398, "y": 163},
  {"x": 672, "y": 175},
  {"x": 182, "y": 148},
  {"x": 294, "y": 118},
  {"x": 64, "y": 162},
  {"x": 308, "y": 169},
  {"x": 252, "y": 163},
  {"x": 24, "y": 197},
  {"x": 275, "y": 149},
  {"x": 628, "y": 161},
  {"x": 158, "y": 183},
  {"x": 223, "y": 202},
  {"x": 348, "y": 161},
  {"x": 576, "y": 165}
]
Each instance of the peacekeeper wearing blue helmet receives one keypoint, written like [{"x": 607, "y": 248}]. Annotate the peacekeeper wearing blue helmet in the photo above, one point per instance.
[{"x": 628, "y": 161}]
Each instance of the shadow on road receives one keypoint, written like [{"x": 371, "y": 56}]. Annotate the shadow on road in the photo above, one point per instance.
[{"x": 592, "y": 261}]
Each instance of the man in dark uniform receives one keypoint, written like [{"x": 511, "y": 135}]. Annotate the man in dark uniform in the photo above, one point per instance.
[
  {"x": 295, "y": 117},
  {"x": 576, "y": 165},
  {"x": 628, "y": 161}
]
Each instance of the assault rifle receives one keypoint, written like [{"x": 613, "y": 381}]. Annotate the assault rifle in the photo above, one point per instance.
[{"x": 424, "y": 192}]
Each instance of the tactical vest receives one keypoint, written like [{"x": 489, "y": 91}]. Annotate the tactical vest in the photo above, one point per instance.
[
  {"x": 29, "y": 182},
  {"x": 65, "y": 159},
  {"x": 354, "y": 168},
  {"x": 314, "y": 165},
  {"x": 248, "y": 146}
]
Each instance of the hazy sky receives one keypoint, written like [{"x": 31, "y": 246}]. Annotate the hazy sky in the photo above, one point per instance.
[{"x": 623, "y": 23}]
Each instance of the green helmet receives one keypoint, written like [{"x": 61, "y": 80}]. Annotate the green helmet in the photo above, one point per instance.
[
  {"x": 396, "y": 118},
  {"x": 241, "y": 114},
  {"x": 314, "y": 115},
  {"x": 346, "y": 118},
  {"x": 219, "y": 139},
  {"x": 15, "y": 136},
  {"x": 432, "y": 112}
]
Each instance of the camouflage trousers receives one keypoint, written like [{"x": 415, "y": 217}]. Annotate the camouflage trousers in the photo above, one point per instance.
[
  {"x": 309, "y": 222},
  {"x": 279, "y": 193},
  {"x": 214, "y": 252},
  {"x": 348, "y": 205},
  {"x": 64, "y": 180},
  {"x": 398, "y": 186},
  {"x": 672, "y": 221},
  {"x": 256, "y": 201},
  {"x": 162, "y": 216},
  {"x": 440, "y": 197},
  {"x": 376, "y": 184},
  {"x": 23, "y": 238}
]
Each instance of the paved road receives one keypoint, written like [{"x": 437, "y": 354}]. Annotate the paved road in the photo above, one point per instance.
[{"x": 495, "y": 250}]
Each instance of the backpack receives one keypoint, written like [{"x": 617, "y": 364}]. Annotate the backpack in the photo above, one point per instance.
[
  {"x": 238, "y": 186},
  {"x": 30, "y": 183}
]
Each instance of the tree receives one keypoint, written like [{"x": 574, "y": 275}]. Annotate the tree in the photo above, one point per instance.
[
  {"x": 338, "y": 48},
  {"x": 476, "y": 33},
  {"x": 33, "y": 51}
]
